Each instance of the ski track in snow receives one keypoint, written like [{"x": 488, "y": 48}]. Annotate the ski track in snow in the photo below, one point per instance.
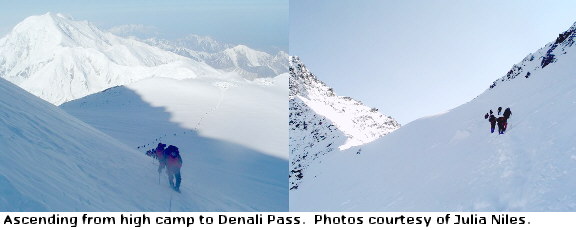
[
  {"x": 217, "y": 175},
  {"x": 223, "y": 86}
]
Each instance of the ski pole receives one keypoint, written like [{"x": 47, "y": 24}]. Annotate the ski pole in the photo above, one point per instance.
[{"x": 170, "y": 207}]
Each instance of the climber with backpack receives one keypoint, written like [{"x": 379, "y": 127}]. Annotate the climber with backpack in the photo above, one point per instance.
[
  {"x": 160, "y": 156},
  {"x": 492, "y": 121},
  {"x": 507, "y": 114},
  {"x": 501, "y": 124},
  {"x": 173, "y": 165}
]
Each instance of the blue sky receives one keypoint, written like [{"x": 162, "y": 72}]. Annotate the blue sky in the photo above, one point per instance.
[
  {"x": 416, "y": 58},
  {"x": 261, "y": 24}
]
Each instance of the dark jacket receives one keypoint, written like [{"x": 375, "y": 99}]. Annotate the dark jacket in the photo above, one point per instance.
[
  {"x": 507, "y": 113},
  {"x": 492, "y": 119}
]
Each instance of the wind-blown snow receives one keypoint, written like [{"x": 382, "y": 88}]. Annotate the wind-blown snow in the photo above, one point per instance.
[{"x": 451, "y": 162}]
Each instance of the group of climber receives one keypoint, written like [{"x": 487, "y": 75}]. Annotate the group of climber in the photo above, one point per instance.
[
  {"x": 169, "y": 158},
  {"x": 501, "y": 121}
]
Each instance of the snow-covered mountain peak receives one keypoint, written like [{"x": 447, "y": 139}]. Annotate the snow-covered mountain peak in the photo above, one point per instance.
[
  {"x": 549, "y": 54},
  {"x": 359, "y": 122},
  {"x": 59, "y": 59},
  {"x": 304, "y": 83},
  {"x": 321, "y": 121},
  {"x": 202, "y": 43},
  {"x": 245, "y": 61},
  {"x": 52, "y": 29}
]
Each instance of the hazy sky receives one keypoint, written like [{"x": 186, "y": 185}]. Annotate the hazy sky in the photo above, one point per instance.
[
  {"x": 260, "y": 24},
  {"x": 416, "y": 58}
]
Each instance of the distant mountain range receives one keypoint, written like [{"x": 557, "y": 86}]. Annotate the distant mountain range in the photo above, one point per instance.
[{"x": 60, "y": 59}]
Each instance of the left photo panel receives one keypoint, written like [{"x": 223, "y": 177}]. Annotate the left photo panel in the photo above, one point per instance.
[{"x": 144, "y": 106}]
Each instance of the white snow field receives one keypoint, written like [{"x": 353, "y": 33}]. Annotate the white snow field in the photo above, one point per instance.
[
  {"x": 126, "y": 97},
  {"x": 231, "y": 134},
  {"x": 54, "y": 162},
  {"x": 451, "y": 161},
  {"x": 51, "y": 161}
]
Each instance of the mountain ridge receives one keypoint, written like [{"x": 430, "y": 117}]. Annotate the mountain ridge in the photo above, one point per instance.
[
  {"x": 452, "y": 162},
  {"x": 59, "y": 59},
  {"x": 321, "y": 121}
]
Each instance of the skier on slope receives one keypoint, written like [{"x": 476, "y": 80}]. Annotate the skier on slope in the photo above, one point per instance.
[
  {"x": 173, "y": 165},
  {"x": 160, "y": 156},
  {"x": 492, "y": 121}
]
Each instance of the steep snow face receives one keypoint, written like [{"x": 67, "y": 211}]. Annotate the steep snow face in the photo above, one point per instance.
[
  {"x": 59, "y": 59},
  {"x": 232, "y": 134},
  {"x": 451, "y": 162},
  {"x": 543, "y": 57},
  {"x": 321, "y": 121},
  {"x": 311, "y": 137},
  {"x": 51, "y": 161},
  {"x": 361, "y": 124},
  {"x": 241, "y": 59}
]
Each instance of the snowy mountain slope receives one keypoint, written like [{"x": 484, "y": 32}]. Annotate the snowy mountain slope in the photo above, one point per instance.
[
  {"x": 191, "y": 42},
  {"x": 451, "y": 162},
  {"x": 59, "y": 59},
  {"x": 321, "y": 121},
  {"x": 366, "y": 124},
  {"x": 538, "y": 60},
  {"x": 51, "y": 161},
  {"x": 241, "y": 59},
  {"x": 231, "y": 133},
  {"x": 311, "y": 137}
]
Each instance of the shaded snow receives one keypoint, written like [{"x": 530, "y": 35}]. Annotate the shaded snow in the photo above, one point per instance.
[
  {"x": 51, "y": 161},
  {"x": 214, "y": 123}
]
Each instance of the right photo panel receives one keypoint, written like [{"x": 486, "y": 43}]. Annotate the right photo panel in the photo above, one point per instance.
[{"x": 438, "y": 105}]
